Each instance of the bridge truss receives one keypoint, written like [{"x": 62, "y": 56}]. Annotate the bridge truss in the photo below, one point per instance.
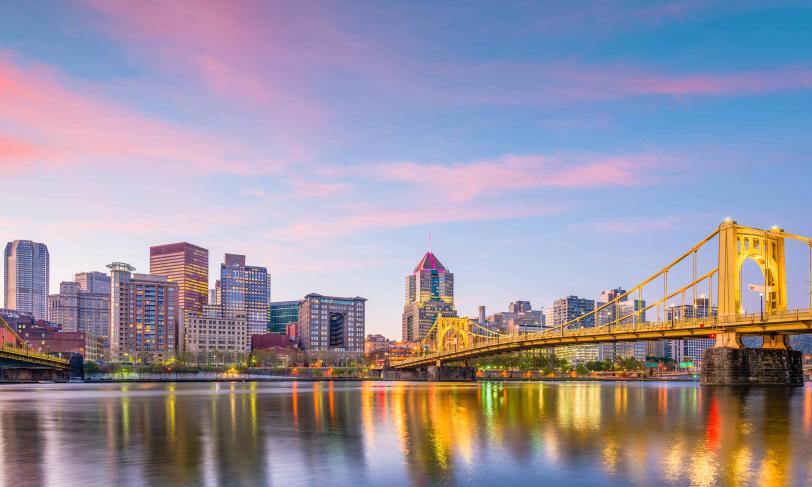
[{"x": 16, "y": 352}]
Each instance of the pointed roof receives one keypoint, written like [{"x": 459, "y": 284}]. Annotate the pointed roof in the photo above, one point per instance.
[{"x": 429, "y": 263}]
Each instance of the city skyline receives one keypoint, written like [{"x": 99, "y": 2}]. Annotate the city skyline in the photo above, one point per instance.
[{"x": 556, "y": 150}]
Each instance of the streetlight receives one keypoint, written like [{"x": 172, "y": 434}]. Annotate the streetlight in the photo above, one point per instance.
[{"x": 761, "y": 304}]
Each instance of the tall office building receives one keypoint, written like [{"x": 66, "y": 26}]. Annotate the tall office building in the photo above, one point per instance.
[
  {"x": 83, "y": 305},
  {"x": 429, "y": 293},
  {"x": 26, "y": 277},
  {"x": 187, "y": 265},
  {"x": 330, "y": 323},
  {"x": 144, "y": 316},
  {"x": 245, "y": 288},
  {"x": 282, "y": 314}
]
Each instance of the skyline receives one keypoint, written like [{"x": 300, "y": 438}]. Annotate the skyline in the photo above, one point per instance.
[{"x": 548, "y": 150}]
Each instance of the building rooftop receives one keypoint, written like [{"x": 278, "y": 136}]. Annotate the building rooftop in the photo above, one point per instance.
[{"x": 430, "y": 263}]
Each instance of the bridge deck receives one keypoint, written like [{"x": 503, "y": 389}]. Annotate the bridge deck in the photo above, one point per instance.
[
  {"x": 786, "y": 322},
  {"x": 19, "y": 355}
]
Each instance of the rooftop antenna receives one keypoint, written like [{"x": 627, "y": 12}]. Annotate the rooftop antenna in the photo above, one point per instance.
[{"x": 429, "y": 241}]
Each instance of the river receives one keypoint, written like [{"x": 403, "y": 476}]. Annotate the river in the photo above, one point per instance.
[{"x": 397, "y": 433}]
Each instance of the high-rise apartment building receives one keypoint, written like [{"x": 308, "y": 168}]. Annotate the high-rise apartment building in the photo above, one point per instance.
[
  {"x": 330, "y": 323},
  {"x": 187, "y": 265},
  {"x": 83, "y": 304},
  {"x": 245, "y": 288},
  {"x": 26, "y": 277},
  {"x": 144, "y": 316},
  {"x": 429, "y": 293},
  {"x": 282, "y": 314}
]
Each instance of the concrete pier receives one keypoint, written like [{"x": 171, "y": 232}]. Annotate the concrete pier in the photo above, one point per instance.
[
  {"x": 751, "y": 366},
  {"x": 448, "y": 373}
]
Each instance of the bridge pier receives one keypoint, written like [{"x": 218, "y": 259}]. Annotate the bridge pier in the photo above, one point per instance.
[
  {"x": 440, "y": 373},
  {"x": 31, "y": 375},
  {"x": 731, "y": 363}
]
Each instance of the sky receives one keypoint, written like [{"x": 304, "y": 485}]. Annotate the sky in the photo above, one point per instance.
[{"x": 548, "y": 148}]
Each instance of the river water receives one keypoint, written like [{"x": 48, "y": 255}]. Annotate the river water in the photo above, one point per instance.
[{"x": 379, "y": 433}]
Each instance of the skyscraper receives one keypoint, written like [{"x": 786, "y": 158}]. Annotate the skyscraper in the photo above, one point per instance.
[
  {"x": 429, "y": 293},
  {"x": 26, "y": 277},
  {"x": 83, "y": 304},
  {"x": 187, "y": 265},
  {"x": 245, "y": 288},
  {"x": 143, "y": 316}
]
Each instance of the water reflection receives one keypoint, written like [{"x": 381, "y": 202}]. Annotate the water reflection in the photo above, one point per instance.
[{"x": 368, "y": 433}]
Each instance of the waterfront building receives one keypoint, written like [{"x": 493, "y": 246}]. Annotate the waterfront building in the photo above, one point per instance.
[
  {"x": 188, "y": 266},
  {"x": 83, "y": 304},
  {"x": 429, "y": 293},
  {"x": 330, "y": 323},
  {"x": 245, "y": 288},
  {"x": 45, "y": 337},
  {"x": 566, "y": 309},
  {"x": 144, "y": 316},
  {"x": 26, "y": 277},
  {"x": 213, "y": 336},
  {"x": 282, "y": 314}
]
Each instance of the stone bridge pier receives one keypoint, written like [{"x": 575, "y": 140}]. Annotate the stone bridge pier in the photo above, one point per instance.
[{"x": 731, "y": 363}]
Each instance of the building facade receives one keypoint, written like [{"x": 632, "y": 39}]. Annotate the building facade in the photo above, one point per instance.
[
  {"x": 247, "y": 289},
  {"x": 188, "y": 266},
  {"x": 565, "y": 310},
  {"x": 83, "y": 304},
  {"x": 429, "y": 293},
  {"x": 26, "y": 277},
  {"x": 282, "y": 314},
  {"x": 520, "y": 318},
  {"x": 144, "y": 316},
  {"x": 330, "y": 323},
  {"x": 216, "y": 337}
]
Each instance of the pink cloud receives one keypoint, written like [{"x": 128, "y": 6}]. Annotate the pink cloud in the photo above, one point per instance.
[
  {"x": 257, "y": 53},
  {"x": 378, "y": 218},
  {"x": 59, "y": 125},
  {"x": 466, "y": 181}
]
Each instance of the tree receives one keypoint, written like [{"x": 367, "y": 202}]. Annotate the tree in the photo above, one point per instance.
[
  {"x": 581, "y": 369},
  {"x": 91, "y": 367}
]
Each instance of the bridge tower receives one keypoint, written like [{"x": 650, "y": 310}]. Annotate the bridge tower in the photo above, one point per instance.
[
  {"x": 729, "y": 362},
  {"x": 766, "y": 248}
]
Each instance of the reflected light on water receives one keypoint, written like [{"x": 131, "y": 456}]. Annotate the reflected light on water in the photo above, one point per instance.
[{"x": 371, "y": 433}]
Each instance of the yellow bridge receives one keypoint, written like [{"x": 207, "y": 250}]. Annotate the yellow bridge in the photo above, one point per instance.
[
  {"x": 722, "y": 315},
  {"x": 16, "y": 353}
]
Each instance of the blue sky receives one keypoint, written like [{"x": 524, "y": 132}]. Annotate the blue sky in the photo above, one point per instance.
[{"x": 549, "y": 148}]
